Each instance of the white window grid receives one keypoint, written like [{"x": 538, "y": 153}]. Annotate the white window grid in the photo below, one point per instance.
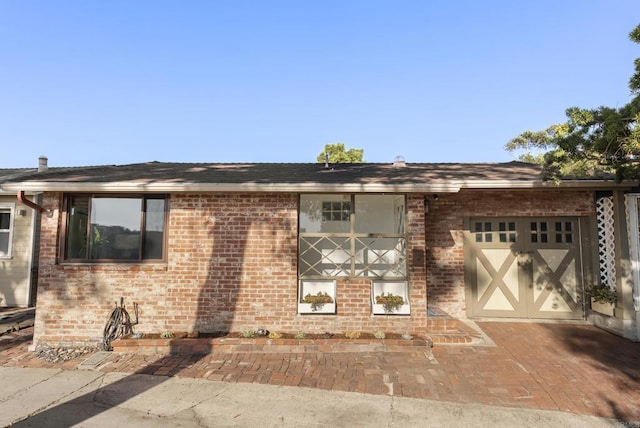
[{"x": 7, "y": 208}]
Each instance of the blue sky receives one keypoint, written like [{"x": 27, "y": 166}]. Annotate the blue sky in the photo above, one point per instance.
[{"x": 114, "y": 82}]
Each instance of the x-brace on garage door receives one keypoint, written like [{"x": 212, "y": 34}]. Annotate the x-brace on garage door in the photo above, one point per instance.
[{"x": 524, "y": 267}]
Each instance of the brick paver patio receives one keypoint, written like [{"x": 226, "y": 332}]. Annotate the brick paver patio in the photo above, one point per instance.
[{"x": 570, "y": 367}]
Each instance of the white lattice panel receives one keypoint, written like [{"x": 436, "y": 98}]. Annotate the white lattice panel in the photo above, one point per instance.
[{"x": 606, "y": 242}]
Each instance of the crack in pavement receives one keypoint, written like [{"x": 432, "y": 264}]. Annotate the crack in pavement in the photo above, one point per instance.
[
  {"x": 23, "y": 391},
  {"x": 54, "y": 402}
]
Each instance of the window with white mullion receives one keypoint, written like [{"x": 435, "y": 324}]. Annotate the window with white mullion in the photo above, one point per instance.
[
  {"x": 380, "y": 257},
  {"x": 352, "y": 235},
  {"x": 6, "y": 229},
  {"x": 322, "y": 256}
]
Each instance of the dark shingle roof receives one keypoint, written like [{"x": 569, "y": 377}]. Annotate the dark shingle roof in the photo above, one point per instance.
[
  {"x": 288, "y": 172},
  {"x": 11, "y": 174},
  {"x": 309, "y": 176}
]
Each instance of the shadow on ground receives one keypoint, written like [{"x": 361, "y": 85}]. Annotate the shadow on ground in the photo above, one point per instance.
[{"x": 88, "y": 405}]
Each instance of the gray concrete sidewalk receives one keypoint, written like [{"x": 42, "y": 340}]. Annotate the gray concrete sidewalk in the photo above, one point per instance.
[{"x": 35, "y": 397}]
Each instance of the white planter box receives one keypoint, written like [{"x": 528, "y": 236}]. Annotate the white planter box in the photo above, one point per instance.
[
  {"x": 603, "y": 308},
  {"x": 313, "y": 288},
  {"x": 327, "y": 308},
  {"x": 397, "y": 288}
]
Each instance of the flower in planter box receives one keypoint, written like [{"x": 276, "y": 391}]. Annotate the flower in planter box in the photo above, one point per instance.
[
  {"x": 602, "y": 293},
  {"x": 389, "y": 302},
  {"x": 318, "y": 300}
]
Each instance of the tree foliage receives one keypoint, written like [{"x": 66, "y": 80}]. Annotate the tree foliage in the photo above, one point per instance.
[
  {"x": 338, "y": 154},
  {"x": 597, "y": 142}
]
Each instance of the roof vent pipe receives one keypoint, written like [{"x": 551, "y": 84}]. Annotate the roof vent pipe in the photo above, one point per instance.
[
  {"x": 326, "y": 160},
  {"x": 42, "y": 164},
  {"x": 398, "y": 161}
]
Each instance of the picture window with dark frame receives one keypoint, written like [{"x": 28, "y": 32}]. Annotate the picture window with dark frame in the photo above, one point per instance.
[{"x": 114, "y": 228}]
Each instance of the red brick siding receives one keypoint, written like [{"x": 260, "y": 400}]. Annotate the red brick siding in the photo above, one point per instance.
[
  {"x": 231, "y": 265},
  {"x": 444, "y": 236}
]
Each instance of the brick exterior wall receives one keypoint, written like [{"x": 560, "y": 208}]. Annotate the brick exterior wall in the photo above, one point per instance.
[
  {"x": 231, "y": 266},
  {"x": 444, "y": 231}
]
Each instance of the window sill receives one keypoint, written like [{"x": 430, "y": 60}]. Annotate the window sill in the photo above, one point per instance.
[
  {"x": 112, "y": 262},
  {"x": 123, "y": 265}
]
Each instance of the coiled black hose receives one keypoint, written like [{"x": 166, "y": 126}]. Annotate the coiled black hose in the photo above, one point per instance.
[{"x": 118, "y": 324}]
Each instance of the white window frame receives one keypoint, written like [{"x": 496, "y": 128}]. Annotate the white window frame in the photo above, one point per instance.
[{"x": 11, "y": 207}]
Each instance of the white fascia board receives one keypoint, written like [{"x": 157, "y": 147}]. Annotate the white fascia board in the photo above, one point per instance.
[
  {"x": 129, "y": 187},
  {"x": 453, "y": 186},
  {"x": 4, "y": 191},
  {"x": 573, "y": 184}
]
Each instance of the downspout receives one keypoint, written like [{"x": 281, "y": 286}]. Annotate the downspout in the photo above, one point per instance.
[
  {"x": 42, "y": 167},
  {"x": 35, "y": 240},
  {"x": 34, "y": 258},
  {"x": 28, "y": 203}
]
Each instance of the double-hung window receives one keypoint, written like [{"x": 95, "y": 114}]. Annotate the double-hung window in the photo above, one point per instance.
[
  {"x": 114, "y": 228},
  {"x": 357, "y": 236},
  {"x": 6, "y": 229}
]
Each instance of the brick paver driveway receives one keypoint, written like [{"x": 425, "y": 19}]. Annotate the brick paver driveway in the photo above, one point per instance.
[{"x": 569, "y": 367}]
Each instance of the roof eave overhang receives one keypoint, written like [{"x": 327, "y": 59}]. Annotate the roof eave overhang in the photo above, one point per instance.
[
  {"x": 568, "y": 184},
  {"x": 133, "y": 187},
  {"x": 453, "y": 186},
  {"x": 7, "y": 192}
]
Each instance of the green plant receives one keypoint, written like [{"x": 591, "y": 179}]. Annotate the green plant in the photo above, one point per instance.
[
  {"x": 97, "y": 244},
  {"x": 352, "y": 334},
  {"x": 166, "y": 334},
  {"x": 379, "y": 335},
  {"x": 300, "y": 335},
  {"x": 275, "y": 335},
  {"x": 248, "y": 333},
  {"x": 318, "y": 300},
  {"x": 602, "y": 293},
  {"x": 390, "y": 302}
]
